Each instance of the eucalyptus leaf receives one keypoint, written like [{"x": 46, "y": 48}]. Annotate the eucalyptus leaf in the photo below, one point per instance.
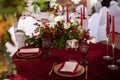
[
  {"x": 14, "y": 72},
  {"x": 20, "y": 8},
  {"x": 13, "y": 66}
]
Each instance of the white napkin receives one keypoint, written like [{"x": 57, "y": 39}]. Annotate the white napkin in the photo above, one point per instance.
[
  {"x": 69, "y": 66},
  {"x": 29, "y": 50}
]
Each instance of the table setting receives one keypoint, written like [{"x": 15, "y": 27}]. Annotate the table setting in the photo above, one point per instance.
[
  {"x": 64, "y": 50},
  {"x": 65, "y": 64}
]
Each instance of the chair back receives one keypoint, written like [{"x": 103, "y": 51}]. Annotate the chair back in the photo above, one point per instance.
[
  {"x": 27, "y": 25},
  {"x": 115, "y": 11},
  {"x": 93, "y": 25}
]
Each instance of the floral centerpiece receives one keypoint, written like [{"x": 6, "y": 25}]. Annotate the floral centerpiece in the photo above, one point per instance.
[{"x": 59, "y": 33}]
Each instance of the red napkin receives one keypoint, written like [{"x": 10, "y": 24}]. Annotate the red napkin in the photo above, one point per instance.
[{"x": 68, "y": 68}]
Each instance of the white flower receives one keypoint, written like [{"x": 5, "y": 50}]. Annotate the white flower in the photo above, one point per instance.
[
  {"x": 52, "y": 24},
  {"x": 55, "y": 6},
  {"x": 58, "y": 18},
  {"x": 92, "y": 40},
  {"x": 66, "y": 25}
]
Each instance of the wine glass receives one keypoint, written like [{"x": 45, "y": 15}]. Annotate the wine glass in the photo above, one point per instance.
[
  {"x": 83, "y": 50},
  {"x": 113, "y": 66},
  {"x": 46, "y": 45},
  {"x": 107, "y": 57}
]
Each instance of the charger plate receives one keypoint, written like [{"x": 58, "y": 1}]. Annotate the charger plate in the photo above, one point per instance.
[
  {"x": 80, "y": 70},
  {"x": 29, "y": 54}
]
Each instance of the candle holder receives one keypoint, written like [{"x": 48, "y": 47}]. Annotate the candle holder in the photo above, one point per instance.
[
  {"x": 113, "y": 66},
  {"x": 107, "y": 57}
]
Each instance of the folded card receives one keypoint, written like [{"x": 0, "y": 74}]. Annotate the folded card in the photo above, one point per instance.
[
  {"x": 68, "y": 68},
  {"x": 29, "y": 50}
]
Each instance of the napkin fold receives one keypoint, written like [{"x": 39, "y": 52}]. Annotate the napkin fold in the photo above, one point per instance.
[
  {"x": 68, "y": 68},
  {"x": 28, "y": 51}
]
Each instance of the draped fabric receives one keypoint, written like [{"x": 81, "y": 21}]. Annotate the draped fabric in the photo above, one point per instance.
[
  {"x": 93, "y": 25},
  {"x": 97, "y": 6},
  {"x": 115, "y": 11},
  {"x": 27, "y": 24},
  {"x": 102, "y": 26},
  {"x": 38, "y": 68}
]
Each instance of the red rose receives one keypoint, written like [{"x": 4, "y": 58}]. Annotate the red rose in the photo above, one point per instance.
[
  {"x": 46, "y": 26},
  {"x": 74, "y": 30},
  {"x": 60, "y": 32},
  {"x": 46, "y": 35}
]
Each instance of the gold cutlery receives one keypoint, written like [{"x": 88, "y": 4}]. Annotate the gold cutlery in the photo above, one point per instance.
[
  {"x": 24, "y": 59},
  {"x": 86, "y": 72},
  {"x": 52, "y": 68}
]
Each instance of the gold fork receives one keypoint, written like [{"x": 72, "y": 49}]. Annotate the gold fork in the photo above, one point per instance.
[
  {"x": 86, "y": 72},
  {"x": 52, "y": 68}
]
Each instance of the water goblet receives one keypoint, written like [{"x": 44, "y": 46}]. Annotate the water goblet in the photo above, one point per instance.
[
  {"x": 107, "y": 56},
  {"x": 83, "y": 50},
  {"x": 46, "y": 45}
]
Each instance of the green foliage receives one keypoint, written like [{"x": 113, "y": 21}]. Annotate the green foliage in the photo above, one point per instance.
[
  {"x": 7, "y": 9},
  {"x": 10, "y": 6}
]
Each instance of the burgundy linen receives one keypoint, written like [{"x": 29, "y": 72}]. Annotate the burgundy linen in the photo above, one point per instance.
[{"x": 38, "y": 68}]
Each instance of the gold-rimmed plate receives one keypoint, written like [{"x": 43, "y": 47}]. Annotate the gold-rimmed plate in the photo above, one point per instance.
[
  {"x": 79, "y": 71},
  {"x": 28, "y": 54}
]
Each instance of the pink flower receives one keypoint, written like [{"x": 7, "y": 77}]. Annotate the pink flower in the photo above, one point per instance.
[
  {"x": 37, "y": 37},
  {"x": 46, "y": 35},
  {"x": 60, "y": 32},
  {"x": 53, "y": 34},
  {"x": 46, "y": 26},
  {"x": 56, "y": 25},
  {"x": 74, "y": 30}
]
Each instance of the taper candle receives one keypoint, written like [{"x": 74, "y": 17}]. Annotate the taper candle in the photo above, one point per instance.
[
  {"x": 81, "y": 16},
  {"x": 107, "y": 23},
  {"x": 67, "y": 11},
  {"x": 113, "y": 30}
]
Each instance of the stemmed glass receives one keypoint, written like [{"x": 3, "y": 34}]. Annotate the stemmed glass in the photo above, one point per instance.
[
  {"x": 107, "y": 57},
  {"x": 46, "y": 44},
  {"x": 113, "y": 66},
  {"x": 83, "y": 50},
  {"x": 118, "y": 61}
]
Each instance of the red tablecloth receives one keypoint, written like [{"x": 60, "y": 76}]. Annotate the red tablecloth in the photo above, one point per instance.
[{"x": 38, "y": 68}]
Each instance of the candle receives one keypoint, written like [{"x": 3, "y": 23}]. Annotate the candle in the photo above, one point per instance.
[
  {"x": 83, "y": 12},
  {"x": 66, "y": 10},
  {"x": 107, "y": 24},
  {"x": 113, "y": 30},
  {"x": 81, "y": 17}
]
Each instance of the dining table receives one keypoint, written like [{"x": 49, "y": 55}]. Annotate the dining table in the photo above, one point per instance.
[{"x": 39, "y": 67}]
